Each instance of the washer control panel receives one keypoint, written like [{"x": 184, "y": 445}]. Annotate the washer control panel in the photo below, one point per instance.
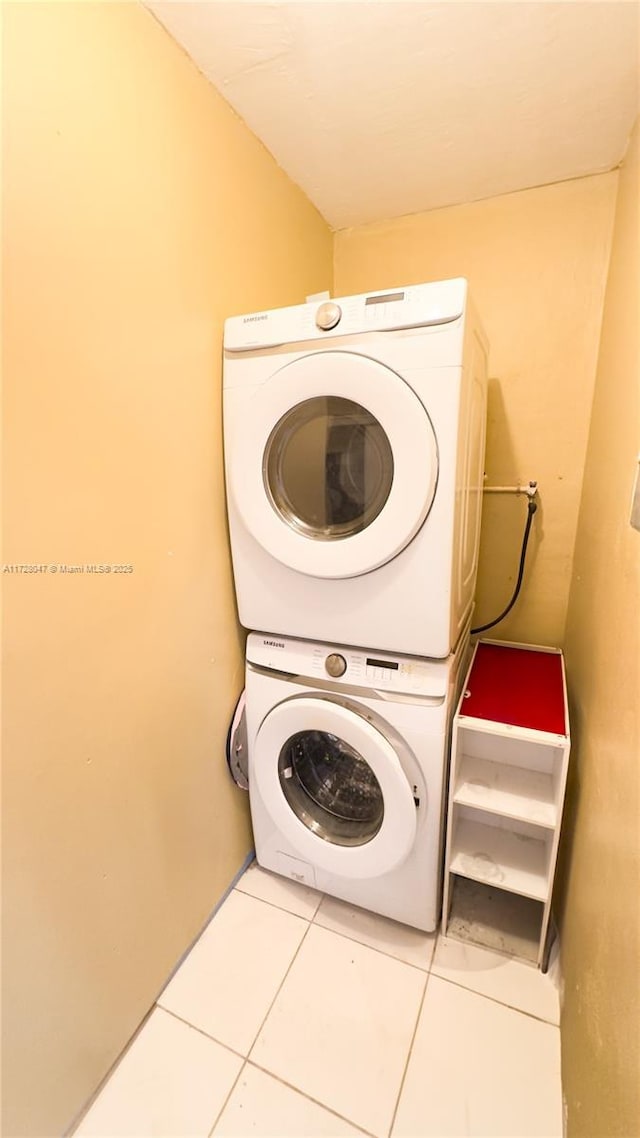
[{"x": 354, "y": 667}]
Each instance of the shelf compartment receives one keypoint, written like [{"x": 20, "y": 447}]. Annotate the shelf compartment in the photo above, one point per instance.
[
  {"x": 511, "y": 791},
  {"x": 507, "y": 859},
  {"x": 499, "y": 746},
  {"x": 490, "y": 918}
]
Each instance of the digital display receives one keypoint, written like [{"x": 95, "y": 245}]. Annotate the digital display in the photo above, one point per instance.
[
  {"x": 386, "y": 299},
  {"x": 382, "y": 664}
]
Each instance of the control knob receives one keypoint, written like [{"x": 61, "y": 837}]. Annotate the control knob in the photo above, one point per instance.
[
  {"x": 328, "y": 315},
  {"x": 336, "y": 665}
]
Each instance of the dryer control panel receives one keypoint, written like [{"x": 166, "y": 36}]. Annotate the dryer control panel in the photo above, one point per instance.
[
  {"x": 357, "y": 667},
  {"x": 415, "y": 306}
]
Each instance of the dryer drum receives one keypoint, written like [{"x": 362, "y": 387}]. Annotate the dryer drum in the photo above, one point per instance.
[
  {"x": 328, "y": 468},
  {"x": 331, "y": 788}
]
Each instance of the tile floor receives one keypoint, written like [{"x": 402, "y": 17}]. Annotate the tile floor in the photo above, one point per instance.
[{"x": 297, "y": 1016}]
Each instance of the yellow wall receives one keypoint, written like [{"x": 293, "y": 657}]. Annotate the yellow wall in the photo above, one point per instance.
[
  {"x": 600, "y": 925},
  {"x": 537, "y": 264},
  {"x": 139, "y": 212}
]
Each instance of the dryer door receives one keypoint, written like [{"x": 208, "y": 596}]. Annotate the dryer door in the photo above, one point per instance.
[
  {"x": 334, "y": 787},
  {"x": 335, "y": 469}
]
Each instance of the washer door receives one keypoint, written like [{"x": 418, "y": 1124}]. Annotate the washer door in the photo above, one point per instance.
[
  {"x": 335, "y": 470},
  {"x": 334, "y": 788}
]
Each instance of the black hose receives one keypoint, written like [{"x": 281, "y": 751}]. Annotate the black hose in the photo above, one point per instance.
[{"x": 531, "y": 509}]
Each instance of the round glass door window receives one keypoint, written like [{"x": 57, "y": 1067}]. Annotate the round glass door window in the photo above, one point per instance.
[
  {"x": 331, "y": 788},
  {"x": 328, "y": 467}
]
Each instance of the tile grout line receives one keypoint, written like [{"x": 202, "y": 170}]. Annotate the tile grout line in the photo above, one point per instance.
[
  {"x": 224, "y": 1105},
  {"x": 494, "y": 1000},
  {"x": 252, "y": 1063},
  {"x": 380, "y": 951},
  {"x": 347, "y": 936},
  {"x": 265, "y": 1017},
  {"x": 409, "y": 1053},
  {"x": 247, "y": 1061},
  {"x": 201, "y": 1031},
  {"x": 231, "y": 1050},
  {"x": 352, "y": 940},
  {"x": 273, "y": 905},
  {"x": 315, "y": 1101},
  {"x": 428, "y": 969},
  {"x": 280, "y": 986}
]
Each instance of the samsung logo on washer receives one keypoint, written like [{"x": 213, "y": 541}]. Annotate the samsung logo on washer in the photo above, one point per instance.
[
  {"x": 274, "y": 643},
  {"x": 250, "y": 319}
]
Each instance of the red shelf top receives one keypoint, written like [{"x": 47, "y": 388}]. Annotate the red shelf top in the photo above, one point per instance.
[{"x": 520, "y": 686}]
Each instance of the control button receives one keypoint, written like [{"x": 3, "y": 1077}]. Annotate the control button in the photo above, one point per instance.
[
  {"x": 327, "y": 316},
  {"x": 336, "y": 665}
]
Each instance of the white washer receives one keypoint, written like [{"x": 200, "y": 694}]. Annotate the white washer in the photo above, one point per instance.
[
  {"x": 354, "y": 445},
  {"x": 348, "y": 754}
]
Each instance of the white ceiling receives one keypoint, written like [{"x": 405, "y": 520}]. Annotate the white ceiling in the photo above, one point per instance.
[{"x": 379, "y": 108}]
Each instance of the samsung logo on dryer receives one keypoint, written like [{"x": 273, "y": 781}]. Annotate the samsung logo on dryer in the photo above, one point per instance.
[
  {"x": 251, "y": 319},
  {"x": 274, "y": 643}
]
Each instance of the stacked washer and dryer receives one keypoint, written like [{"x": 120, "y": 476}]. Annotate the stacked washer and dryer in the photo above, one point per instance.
[{"x": 354, "y": 448}]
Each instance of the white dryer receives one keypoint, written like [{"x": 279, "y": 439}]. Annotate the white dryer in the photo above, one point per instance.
[
  {"x": 347, "y": 770},
  {"x": 354, "y": 448}
]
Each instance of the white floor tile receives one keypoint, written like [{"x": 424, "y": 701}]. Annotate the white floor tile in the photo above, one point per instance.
[
  {"x": 265, "y": 1108},
  {"x": 507, "y": 980},
  {"x": 280, "y": 891},
  {"x": 228, "y": 981},
  {"x": 341, "y": 1027},
  {"x": 479, "y": 1069},
  {"x": 410, "y": 945},
  {"x": 171, "y": 1081}
]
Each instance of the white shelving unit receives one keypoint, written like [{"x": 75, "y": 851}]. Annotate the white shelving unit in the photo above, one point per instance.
[{"x": 509, "y": 761}]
